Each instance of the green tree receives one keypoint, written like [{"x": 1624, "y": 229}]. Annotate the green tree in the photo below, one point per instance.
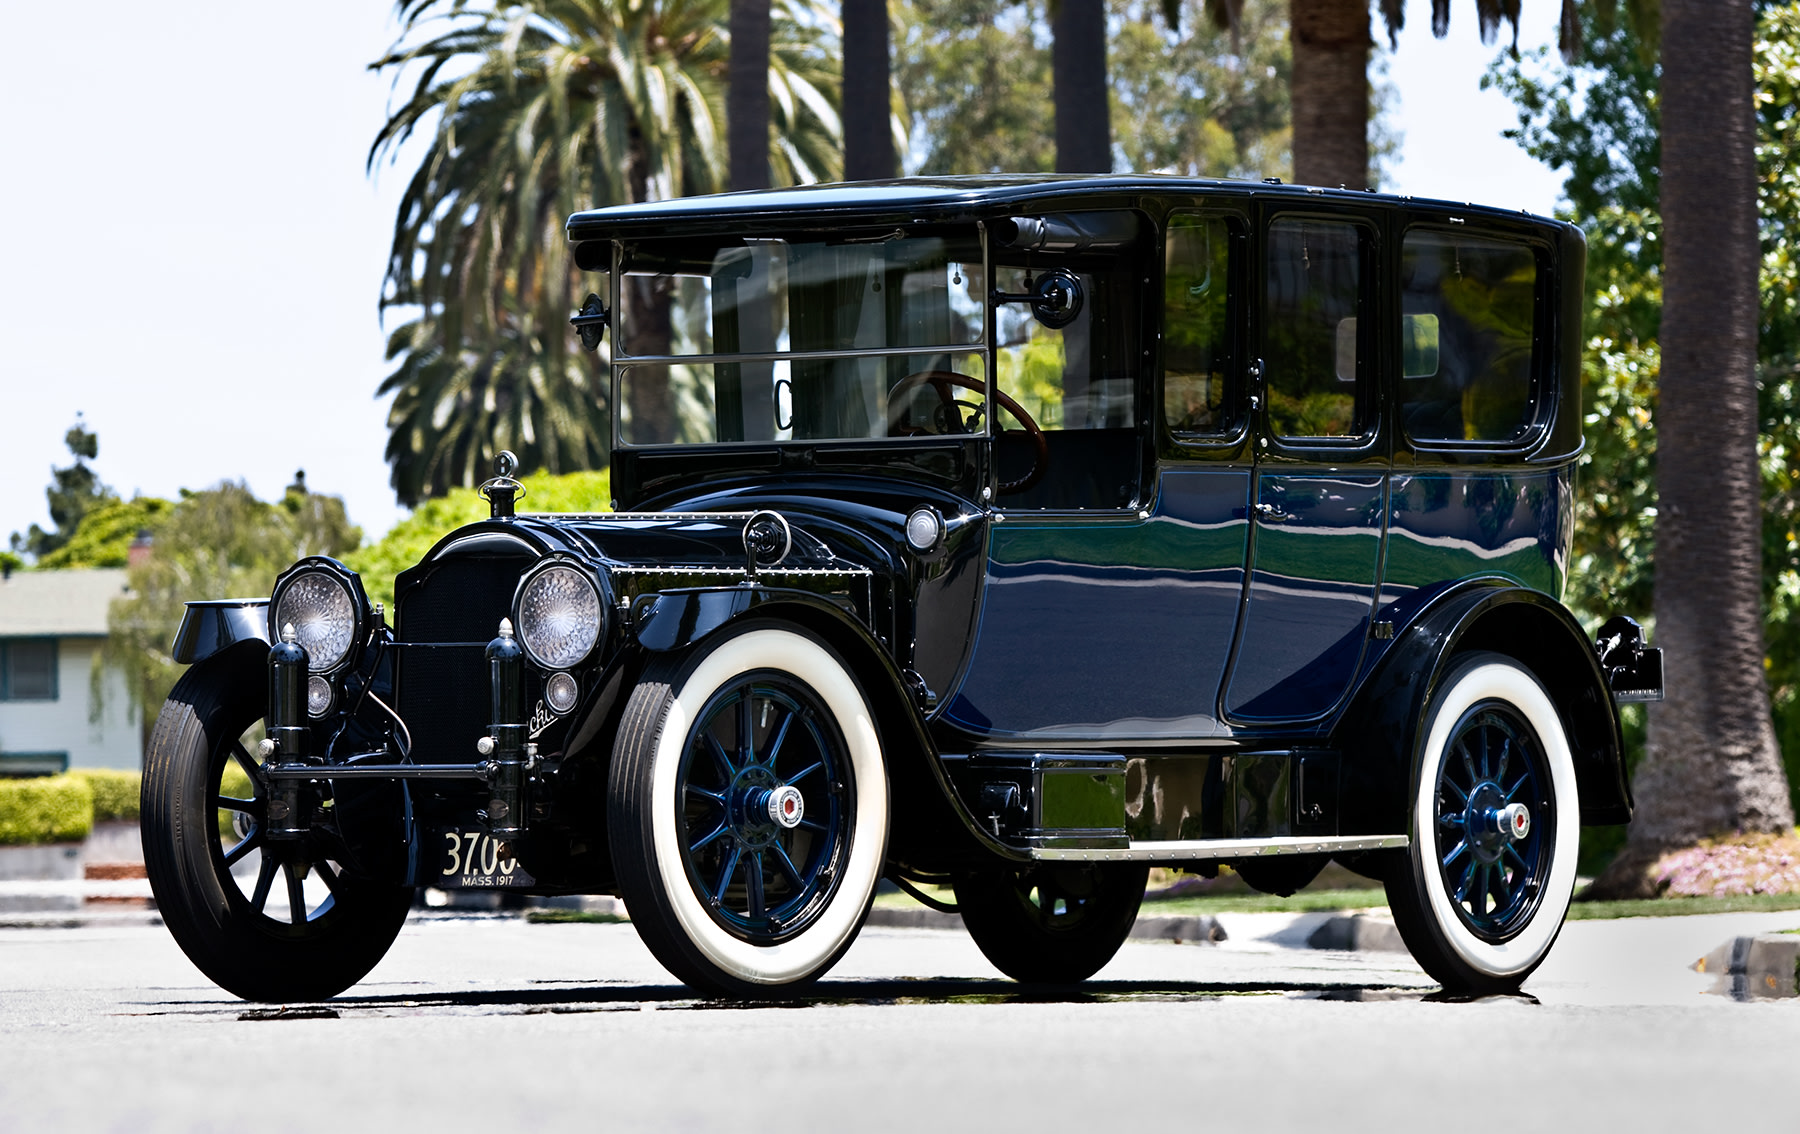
[
  {"x": 107, "y": 532},
  {"x": 218, "y": 543},
  {"x": 1201, "y": 101},
  {"x": 1710, "y": 767},
  {"x": 530, "y": 110},
  {"x": 72, "y": 492}
]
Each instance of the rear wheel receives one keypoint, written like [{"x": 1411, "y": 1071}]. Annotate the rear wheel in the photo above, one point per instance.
[
  {"x": 266, "y": 921},
  {"x": 1483, "y": 892},
  {"x": 748, "y": 810},
  {"x": 1051, "y": 923}
]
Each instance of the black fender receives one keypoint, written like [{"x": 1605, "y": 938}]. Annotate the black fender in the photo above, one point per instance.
[
  {"x": 1381, "y": 732},
  {"x": 930, "y": 829},
  {"x": 209, "y": 627}
]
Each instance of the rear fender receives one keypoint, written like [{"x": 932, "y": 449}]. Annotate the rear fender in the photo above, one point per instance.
[{"x": 1381, "y": 732}]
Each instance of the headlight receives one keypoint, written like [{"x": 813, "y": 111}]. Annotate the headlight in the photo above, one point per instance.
[
  {"x": 323, "y": 602},
  {"x": 559, "y": 616}
]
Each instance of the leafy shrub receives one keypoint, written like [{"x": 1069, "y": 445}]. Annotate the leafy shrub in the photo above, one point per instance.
[
  {"x": 47, "y": 809},
  {"x": 115, "y": 792},
  {"x": 235, "y": 784}
]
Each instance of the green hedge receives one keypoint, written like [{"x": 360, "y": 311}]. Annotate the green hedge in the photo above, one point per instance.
[
  {"x": 115, "y": 792},
  {"x": 47, "y": 809}
]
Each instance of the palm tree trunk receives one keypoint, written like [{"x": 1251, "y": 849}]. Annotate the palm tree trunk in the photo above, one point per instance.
[
  {"x": 868, "y": 139},
  {"x": 747, "y": 95},
  {"x": 1711, "y": 765},
  {"x": 1330, "y": 91},
  {"x": 1078, "y": 70}
]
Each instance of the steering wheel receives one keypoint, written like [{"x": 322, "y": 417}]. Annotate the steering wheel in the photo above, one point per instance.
[{"x": 942, "y": 381}]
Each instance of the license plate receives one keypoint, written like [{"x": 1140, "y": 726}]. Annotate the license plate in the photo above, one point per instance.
[{"x": 470, "y": 860}]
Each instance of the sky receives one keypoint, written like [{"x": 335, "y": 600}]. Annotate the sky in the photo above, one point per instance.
[{"x": 193, "y": 251}]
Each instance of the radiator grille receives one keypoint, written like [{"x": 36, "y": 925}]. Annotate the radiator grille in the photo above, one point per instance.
[{"x": 444, "y": 693}]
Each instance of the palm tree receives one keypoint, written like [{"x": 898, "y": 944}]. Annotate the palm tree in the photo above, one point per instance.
[
  {"x": 747, "y": 107},
  {"x": 532, "y": 109},
  {"x": 1711, "y": 765},
  {"x": 1078, "y": 70},
  {"x": 873, "y": 134}
]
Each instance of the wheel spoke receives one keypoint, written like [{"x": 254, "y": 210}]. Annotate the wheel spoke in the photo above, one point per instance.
[
  {"x": 245, "y": 845},
  {"x": 787, "y": 719},
  {"x": 328, "y": 876},
  {"x": 1515, "y": 856},
  {"x": 718, "y": 751},
  {"x": 1484, "y": 753},
  {"x": 809, "y": 770},
  {"x": 746, "y": 737},
  {"x": 296, "y": 895},
  {"x": 717, "y": 797},
  {"x": 753, "y": 882},
  {"x": 1456, "y": 852},
  {"x": 787, "y": 866},
  {"x": 1505, "y": 751},
  {"x": 265, "y": 877},
  {"x": 1462, "y": 796},
  {"x": 233, "y": 803},
  {"x": 1514, "y": 790},
  {"x": 731, "y": 864},
  {"x": 251, "y": 768},
  {"x": 813, "y": 825},
  {"x": 1462, "y": 745},
  {"x": 1462, "y": 888},
  {"x": 1498, "y": 887},
  {"x": 711, "y": 836}
]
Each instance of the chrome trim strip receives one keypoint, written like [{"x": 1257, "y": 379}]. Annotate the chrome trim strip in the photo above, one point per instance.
[
  {"x": 793, "y": 355},
  {"x": 1180, "y": 849},
  {"x": 853, "y": 572}
]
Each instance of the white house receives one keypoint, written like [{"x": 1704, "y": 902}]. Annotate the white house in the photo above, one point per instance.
[{"x": 52, "y": 626}]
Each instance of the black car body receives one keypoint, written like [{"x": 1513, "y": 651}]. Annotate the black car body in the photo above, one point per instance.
[{"x": 1252, "y": 555}]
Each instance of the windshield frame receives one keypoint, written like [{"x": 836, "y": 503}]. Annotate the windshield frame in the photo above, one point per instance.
[{"x": 618, "y": 360}]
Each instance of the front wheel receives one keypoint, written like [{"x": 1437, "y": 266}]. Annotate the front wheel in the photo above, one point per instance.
[
  {"x": 748, "y": 810},
  {"x": 264, "y": 920},
  {"x": 1051, "y": 923},
  {"x": 1483, "y": 892}
]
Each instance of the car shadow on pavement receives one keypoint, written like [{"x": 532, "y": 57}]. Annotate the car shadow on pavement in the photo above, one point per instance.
[{"x": 576, "y": 997}]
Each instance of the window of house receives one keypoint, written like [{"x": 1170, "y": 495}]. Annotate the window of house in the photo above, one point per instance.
[
  {"x": 1199, "y": 357},
  {"x": 1468, "y": 309},
  {"x": 28, "y": 669}
]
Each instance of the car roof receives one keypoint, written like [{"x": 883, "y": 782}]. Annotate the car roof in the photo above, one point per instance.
[{"x": 961, "y": 198}]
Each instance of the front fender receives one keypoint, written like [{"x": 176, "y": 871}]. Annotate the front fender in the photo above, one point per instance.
[
  {"x": 675, "y": 619},
  {"x": 210, "y": 626},
  {"x": 1381, "y": 733}
]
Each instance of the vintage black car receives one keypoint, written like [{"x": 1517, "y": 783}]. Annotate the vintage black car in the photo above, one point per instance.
[{"x": 1002, "y": 533}]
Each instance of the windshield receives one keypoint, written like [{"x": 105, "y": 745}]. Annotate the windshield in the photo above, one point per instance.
[{"x": 757, "y": 340}]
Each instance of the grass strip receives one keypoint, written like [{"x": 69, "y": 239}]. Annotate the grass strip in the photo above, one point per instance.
[
  {"x": 1684, "y": 907},
  {"x": 559, "y": 917}
]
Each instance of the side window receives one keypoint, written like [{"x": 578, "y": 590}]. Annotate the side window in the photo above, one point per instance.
[
  {"x": 1313, "y": 352},
  {"x": 1468, "y": 305},
  {"x": 28, "y": 669},
  {"x": 1199, "y": 365}
]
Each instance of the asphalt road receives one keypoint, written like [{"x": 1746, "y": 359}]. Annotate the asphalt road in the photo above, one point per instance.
[{"x": 497, "y": 1025}]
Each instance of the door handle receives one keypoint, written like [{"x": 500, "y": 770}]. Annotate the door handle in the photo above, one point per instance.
[{"x": 1272, "y": 513}]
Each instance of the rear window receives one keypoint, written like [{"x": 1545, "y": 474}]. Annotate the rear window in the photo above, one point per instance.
[{"x": 1467, "y": 336}]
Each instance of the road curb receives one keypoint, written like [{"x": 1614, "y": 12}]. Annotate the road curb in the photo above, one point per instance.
[
  {"x": 1357, "y": 933},
  {"x": 1203, "y": 929},
  {"x": 1763, "y": 967}
]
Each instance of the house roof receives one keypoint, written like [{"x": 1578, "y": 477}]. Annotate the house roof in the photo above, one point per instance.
[{"x": 43, "y": 604}]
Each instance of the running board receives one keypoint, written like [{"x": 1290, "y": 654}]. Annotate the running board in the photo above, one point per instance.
[{"x": 1193, "y": 850}]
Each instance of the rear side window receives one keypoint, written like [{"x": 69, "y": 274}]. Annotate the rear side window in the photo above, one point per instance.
[
  {"x": 1314, "y": 350},
  {"x": 1199, "y": 367},
  {"x": 1468, "y": 309}
]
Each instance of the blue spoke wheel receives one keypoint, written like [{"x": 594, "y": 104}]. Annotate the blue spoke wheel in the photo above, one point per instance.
[
  {"x": 747, "y": 809},
  {"x": 764, "y": 800},
  {"x": 1491, "y": 866}
]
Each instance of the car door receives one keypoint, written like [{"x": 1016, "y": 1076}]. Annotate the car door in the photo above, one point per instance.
[
  {"x": 1113, "y": 580},
  {"x": 1318, "y": 509}
]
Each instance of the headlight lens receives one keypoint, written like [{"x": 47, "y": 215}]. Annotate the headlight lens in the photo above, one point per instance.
[
  {"x": 559, "y": 617},
  {"x": 323, "y": 614}
]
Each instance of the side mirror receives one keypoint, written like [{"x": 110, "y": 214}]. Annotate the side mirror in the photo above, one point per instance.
[
  {"x": 590, "y": 322},
  {"x": 1055, "y": 298}
]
